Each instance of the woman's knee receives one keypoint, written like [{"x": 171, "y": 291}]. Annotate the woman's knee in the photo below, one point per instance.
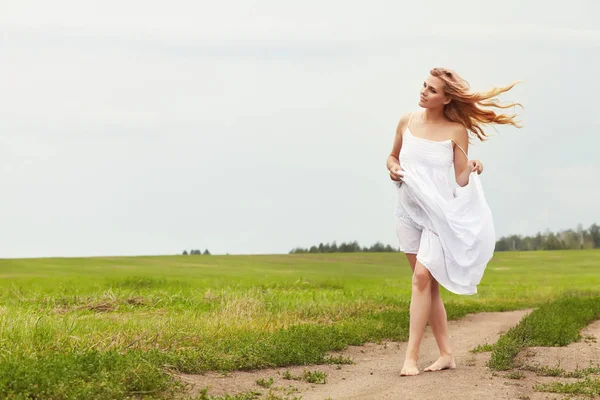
[{"x": 421, "y": 277}]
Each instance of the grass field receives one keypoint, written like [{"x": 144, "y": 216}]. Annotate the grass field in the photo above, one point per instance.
[{"x": 114, "y": 327}]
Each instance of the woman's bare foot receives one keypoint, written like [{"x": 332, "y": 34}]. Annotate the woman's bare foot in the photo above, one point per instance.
[
  {"x": 410, "y": 368},
  {"x": 444, "y": 362}
]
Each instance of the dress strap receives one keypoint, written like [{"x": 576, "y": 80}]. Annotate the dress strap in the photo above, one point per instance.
[
  {"x": 461, "y": 149},
  {"x": 409, "y": 119}
]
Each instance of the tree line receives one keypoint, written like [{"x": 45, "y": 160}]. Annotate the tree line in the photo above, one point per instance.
[
  {"x": 196, "y": 252},
  {"x": 350, "y": 247},
  {"x": 568, "y": 239},
  {"x": 564, "y": 240}
]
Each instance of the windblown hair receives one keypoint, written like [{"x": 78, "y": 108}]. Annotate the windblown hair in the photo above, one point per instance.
[{"x": 472, "y": 109}]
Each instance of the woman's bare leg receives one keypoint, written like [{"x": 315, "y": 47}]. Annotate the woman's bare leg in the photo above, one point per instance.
[
  {"x": 420, "y": 308},
  {"x": 438, "y": 320},
  {"x": 439, "y": 324}
]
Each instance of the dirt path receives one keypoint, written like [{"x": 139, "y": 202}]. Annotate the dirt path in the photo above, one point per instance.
[
  {"x": 575, "y": 355},
  {"x": 375, "y": 374}
]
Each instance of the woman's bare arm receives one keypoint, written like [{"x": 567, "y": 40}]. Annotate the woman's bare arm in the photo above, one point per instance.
[
  {"x": 461, "y": 162},
  {"x": 393, "y": 160}
]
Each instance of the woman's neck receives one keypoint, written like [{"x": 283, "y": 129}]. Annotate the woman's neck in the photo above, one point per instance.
[{"x": 434, "y": 115}]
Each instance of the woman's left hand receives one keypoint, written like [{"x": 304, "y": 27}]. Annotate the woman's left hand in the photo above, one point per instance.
[{"x": 476, "y": 165}]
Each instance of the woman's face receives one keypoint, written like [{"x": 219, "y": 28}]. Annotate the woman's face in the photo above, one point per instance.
[{"x": 432, "y": 93}]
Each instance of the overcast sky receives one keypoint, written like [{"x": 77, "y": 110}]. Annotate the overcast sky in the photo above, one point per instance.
[{"x": 150, "y": 127}]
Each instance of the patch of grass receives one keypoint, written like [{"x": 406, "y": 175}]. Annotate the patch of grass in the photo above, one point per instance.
[
  {"x": 143, "y": 282},
  {"x": 287, "y": 390},
  {"x": 542, "y": 370},
  {"x": 589, "y": 338},
  {"x": 273, "y": 396},
  {"x": 482, "y": 348},
  {"x": 290, "y": 390},
  {"x": 515, "y": 375},
  {"x": 90, "y": 374},
  {"x": 251, "y": 395},
  {"x": 556, "y": 323},
  {"x": 589, "y": 386},
  {"x": 339, "y": 360},
  {"x": 308, "y": 376},
  {"x": 315, "y": 377},
  {"x": 291, "y": 377},
  {"x": 583, "y": 372},
  {"x": 265, "y": 383}
]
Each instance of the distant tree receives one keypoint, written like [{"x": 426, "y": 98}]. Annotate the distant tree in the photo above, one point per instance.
[
  {"x": 553, "y": 242},
  {"x": 527, "y": 243},
  {"x": 185, "y": 253},
  {"x": 377, "y": 247},
  {"x": 594, "y": 231},
  {"x": 538, "y": 241},
  {"x": 206, "y": 252},
  {"x": 502, "y": 245},
  {"x": 571, "y": 239}
]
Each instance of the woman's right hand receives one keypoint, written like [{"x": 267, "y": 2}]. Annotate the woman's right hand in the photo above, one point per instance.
[{"x": 396, "y": 173}]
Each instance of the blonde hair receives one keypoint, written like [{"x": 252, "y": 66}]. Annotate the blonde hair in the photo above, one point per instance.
[{"x": 469, "y": 108}]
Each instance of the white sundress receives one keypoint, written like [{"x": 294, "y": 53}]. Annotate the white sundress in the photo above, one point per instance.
[{"x": 457, "y": 230}]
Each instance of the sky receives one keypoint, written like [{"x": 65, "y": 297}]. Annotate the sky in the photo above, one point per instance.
[{"x": 148, "y": 127}]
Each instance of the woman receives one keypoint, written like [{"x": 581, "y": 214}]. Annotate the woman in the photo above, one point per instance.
[{"x": 446, "y": 230}]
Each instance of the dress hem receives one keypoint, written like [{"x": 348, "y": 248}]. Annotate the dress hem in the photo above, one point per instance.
[{"x": 437, "y": 280}]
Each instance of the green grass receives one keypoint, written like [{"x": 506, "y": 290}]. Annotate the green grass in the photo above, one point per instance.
[
  {"x": 241, "y": 396},
  {"x": 264, "y": 382},
  {"x": 120, "y": 327},
  {"x": 338, "y": 360},
  {"x": 307, "y": 376},
  {"x": 515, "y": 375},
  {"x": 315, "y": 377},
  {"x": 482, "y": 348},
  {"x": 556, "y": 323},
  {"x": 589, "y": 386},
  {"x": 544, "y": 370},
  {"x": 251, "y": 395}
]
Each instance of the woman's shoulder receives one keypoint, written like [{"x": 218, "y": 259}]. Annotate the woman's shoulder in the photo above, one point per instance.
[
  {"x": 406, "y": 116},
  {"x": 403, "y": 123},
  {"x": 460, "y": 134},
  {"x": 459, "y": 131}
]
